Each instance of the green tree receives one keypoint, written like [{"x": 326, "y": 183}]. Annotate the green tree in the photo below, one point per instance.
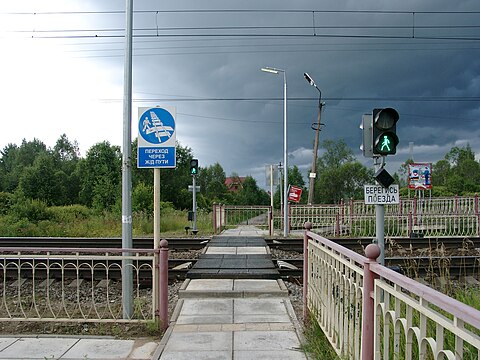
[
  {"x": 100, "y": 174},
  {"x": 14, "y": 161},
  {"x": 212, "y": 184},
  {"x": 44, "y": 182},
  {"x": 174, "y": 182},
  {"x": 251, "y": 194},
  {"x": 340, "y": 175},
  {"x": 459, "y": 172}
]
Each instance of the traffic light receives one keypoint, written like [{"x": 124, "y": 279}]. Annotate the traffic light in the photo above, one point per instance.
[
  {"x": 194, "y": 167},
  {"x": 385, "y": 139}
]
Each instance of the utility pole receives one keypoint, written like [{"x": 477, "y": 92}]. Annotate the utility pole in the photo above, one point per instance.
[
  {"x": 127, "y": 271},
  {"x": 316, "y": 127},
  {"x": 313, "y": 174}
]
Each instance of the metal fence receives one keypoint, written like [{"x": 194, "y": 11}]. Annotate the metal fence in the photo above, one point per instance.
[
  {"x": 368, "y": 311},
  {"x": 230, "y": 216},
  {"x": 71, "y": 285},
  {"x": 453, "y": 216}
]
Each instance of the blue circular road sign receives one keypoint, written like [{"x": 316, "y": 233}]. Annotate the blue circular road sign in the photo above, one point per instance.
[{"x": 156, "y": 126}]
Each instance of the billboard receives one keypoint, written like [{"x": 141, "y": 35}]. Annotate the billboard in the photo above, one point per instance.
[{"x": 420, "y": 176}]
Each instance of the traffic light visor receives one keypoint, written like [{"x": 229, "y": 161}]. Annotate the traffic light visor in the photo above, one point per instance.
[{"x": 385, "y": 118}]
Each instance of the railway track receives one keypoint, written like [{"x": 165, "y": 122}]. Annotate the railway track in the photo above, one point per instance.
[
  {"x": 189, "y": 243},
  {"x": 413, "y": 266},
  {"x": 95, "y": 243}
]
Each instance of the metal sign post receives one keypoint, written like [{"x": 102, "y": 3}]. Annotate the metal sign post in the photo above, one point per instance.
[
  {"x": 194, "y": 205},
  {"x": 127, "y": 272},
  {"x": 380, "y": 217}
]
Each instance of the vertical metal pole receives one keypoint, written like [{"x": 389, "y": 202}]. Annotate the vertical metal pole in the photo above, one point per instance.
[
  {"x": 194, "y": 206},
  {"x": 285, "y": 158},
  {"x": 271, "y": 200},
  {"x": 156, "y": 234},
  {"x": 380, "y": 222},
  {"x": 163, "y": 284},
  {"x": 311, "y": 187},
  {"x": 127, "y": 271}
]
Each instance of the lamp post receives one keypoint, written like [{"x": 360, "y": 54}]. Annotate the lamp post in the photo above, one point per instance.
[
  {"x": 311, "y": 188},
  {"x": 285, "y": 147}
]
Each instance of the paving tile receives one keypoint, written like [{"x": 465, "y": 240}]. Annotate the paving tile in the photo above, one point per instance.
[
  {"x": 210, "y": 285},
  {"x": 252, "y": 284},
  {"x": 270, "y": 355},
  {"x": 207, "y": 307},
  {"x": 221, "y": 250},
  {"x": 143, "y": 351},
  {"x": 262, "y": 318},
  {"x": 5, "y": 342},
  {"x": 265, "y": 340},
  {"x": 272, "y": 306},
  {"x": 197, "y": 355},
  {"x": 205, "y": 319},
  {"x": 100, "y": 349},
  {"x": 38, "y": 348},
  {"x": 252, "y": 250},
  {"x": 199, "y": 341}
]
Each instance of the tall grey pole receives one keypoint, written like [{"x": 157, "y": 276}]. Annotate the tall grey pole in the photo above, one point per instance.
[
  {"x": 194, "y": 205},
  {"x": 285, "y": 158},
  {"x": 380, "y": 219},
  {"x": 127, "y": 276}
]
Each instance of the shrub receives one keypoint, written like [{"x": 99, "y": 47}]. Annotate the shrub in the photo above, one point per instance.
[
  {"x": 6, "y": 202},
  {"x": 32, "y": 210}
]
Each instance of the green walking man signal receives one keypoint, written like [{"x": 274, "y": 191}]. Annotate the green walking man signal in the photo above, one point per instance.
[{"x": 386, "y": 144}]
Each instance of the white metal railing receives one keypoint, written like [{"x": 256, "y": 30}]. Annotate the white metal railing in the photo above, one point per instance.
[
  {"x": 454, "y": 216},
  {"x": 368, "y": 311},
  {"x": 70, "y": 285}
]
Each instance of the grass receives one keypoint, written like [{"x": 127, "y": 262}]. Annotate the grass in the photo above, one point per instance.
[
  {"x": 316, "y": 343},
  {"x": 79, "y": 221}
]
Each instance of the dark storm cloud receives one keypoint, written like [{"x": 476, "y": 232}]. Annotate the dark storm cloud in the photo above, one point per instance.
[{"x": 244, "y": 136}]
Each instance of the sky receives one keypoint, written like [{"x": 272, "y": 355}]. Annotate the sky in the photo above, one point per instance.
[{"x": 62, "y": 72}]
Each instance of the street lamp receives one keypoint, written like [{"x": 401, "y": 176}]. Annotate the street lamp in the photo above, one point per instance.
[
  {"x": 285, "y": 153},
  {"x": 311, "y": 188}
]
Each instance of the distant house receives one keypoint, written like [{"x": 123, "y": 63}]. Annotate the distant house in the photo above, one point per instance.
[{"x": 234, "y": 184}]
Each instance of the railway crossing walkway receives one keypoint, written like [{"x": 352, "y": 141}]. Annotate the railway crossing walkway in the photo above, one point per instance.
[{"x": 233, "y": 305}]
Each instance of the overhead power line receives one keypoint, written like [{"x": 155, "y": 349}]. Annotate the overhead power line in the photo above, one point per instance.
[{"x": 389, "y": 98}]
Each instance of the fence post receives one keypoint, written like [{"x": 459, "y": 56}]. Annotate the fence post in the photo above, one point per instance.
[
  {"x": 336, "y": 232},
  {"x": 163, "y": 285},
  {"x": 410, "y": 224},
  {"x": 308, "y": 227},
  {"x": 214, "y": 219},
  {"x": 477, "y": 214},
  {"x": 372, "y": 251},
  {"x": 270, "y": 221}
]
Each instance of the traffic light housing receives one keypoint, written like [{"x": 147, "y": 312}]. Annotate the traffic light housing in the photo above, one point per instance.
[
  {"x": 385, "y": 139},
  {"x": 194, "y": 167},
  {"x": 367, "y": 142}
]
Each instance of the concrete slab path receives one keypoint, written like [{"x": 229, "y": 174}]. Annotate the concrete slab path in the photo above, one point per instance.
[{"x": 233, "y": 318}]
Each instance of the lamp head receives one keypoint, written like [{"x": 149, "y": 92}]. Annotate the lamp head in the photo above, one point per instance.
[
  {"x": 269, "y": 70},
  {"x": 309, "y": 79}
]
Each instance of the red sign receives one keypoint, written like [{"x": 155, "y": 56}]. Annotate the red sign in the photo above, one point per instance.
[{"x": 294, "y": 193}]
